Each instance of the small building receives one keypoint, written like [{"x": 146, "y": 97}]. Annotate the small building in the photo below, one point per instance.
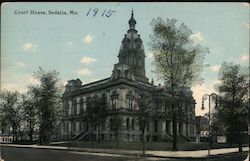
[
  {"x": 120, "y": 91},
  {"x": 202, "y": 128}
]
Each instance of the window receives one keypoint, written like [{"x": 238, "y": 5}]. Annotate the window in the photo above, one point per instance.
[
  {"x": 129, "y": 103},
  {"x": 69, "y": 108},
  {"x": 140, "y": 62},
  {"x": 81, "y": 106},
  {"x": 113, "y": 103},
  {"x": 129, "y": 100},
  {"x": 74, "y": 126},
  {"x": 111, "y": 124},
  {"x": 156, "y": 125},
  {"x": 103, "y": 125},
  {"x": 133, "y": 124},
  {"x": 147, "y": 126},
  {"x": 128, "y": 137},
  {"x": 114, "y": 100},
  {"x": 180, "y": 128},
  {"x": 166, "y": 125},
  {"x": 77, "y": 126},
  {"x": 75, "y": 107},
  {"x": 127, "y": 123}
]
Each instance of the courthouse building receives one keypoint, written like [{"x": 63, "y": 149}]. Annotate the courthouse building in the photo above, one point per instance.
[{"x": 120, "y": 91}]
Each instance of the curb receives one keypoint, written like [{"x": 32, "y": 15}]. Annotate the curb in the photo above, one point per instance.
[{"x": 136, "y": 154}]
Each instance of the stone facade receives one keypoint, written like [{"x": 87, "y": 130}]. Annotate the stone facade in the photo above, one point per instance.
[{"x": 120, "y": 92}]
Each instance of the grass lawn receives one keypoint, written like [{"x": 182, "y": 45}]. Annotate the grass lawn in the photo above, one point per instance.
[{"x": 163, "y": 146}]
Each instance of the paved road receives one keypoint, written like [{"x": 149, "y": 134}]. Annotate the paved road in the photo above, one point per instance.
[
  {"x": 30, "y": 154},
  {"x": 23, "y": 153}
]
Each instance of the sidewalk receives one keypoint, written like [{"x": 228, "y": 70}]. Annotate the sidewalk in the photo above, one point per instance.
[{"x": 169, "y": 154}]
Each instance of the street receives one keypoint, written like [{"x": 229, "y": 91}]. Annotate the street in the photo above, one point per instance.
[
  {"x": 32, "y": 154},
  {"x": 18, "y": 153}
]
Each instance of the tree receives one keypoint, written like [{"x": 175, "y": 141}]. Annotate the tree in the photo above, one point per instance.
[
  {"x": 145, "y": 112},
  {"x": 102, "y": 113},
  {"x": 92, "y": 114},
  {"x": 47, "y": 98},
  {"x": 178, "y": 60},
  {"x": 234, "y": 100},
  {"x": 10, "y": 112},
  {"x": 96, "y": 114},
  {"x": 30, "y": 113},
  {"x": 116, "y": 126}
]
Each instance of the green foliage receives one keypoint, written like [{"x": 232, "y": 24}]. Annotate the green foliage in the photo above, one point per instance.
[
  {"x": 116, "y": 126},
  {"x": 234, "y": 99},
  {"x": 47, "y": 99},
  {"x": 10, "y": 111},
  {"x": 96, "y": 110},
  {"x": 145, "y": 112},
  {"x": 233, "y": 91},
  {"x": 178, "y": 60},
  {"x": 146, "y": 109},
  {"x": 96, "y": 113},
  {"x": 30, "y": 113}
]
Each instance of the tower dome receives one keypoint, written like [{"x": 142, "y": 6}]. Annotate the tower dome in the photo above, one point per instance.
[{"x": 132, "y": 51}]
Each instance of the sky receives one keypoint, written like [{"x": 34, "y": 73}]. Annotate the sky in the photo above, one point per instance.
[{"x": 85, "y": 43}]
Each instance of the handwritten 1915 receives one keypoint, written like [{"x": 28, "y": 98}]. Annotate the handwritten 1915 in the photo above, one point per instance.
[{"x": 96, "y": 11}]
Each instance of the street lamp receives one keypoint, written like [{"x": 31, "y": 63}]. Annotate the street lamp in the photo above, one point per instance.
[{"x": 213, "y": 95}]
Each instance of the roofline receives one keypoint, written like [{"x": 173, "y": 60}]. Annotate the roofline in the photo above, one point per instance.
[{"x": 96, "y": 82}]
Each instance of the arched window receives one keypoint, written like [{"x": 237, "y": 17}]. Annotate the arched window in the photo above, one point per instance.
[
  {"x": 129, "y": 100},
  {"x": 114, "y": 100}
]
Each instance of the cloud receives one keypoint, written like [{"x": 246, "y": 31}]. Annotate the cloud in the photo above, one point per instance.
[
  {"x": 87, "y": 39},
  {"x": 83, "y": 72},
  {"x": 87, "y": 60},
  {"x": 244, "y": 58},
  {"x": 69, "y": 44},
  {"x": 33, "y": 81},
  {"x": 29, "y": 47},
  {"x": 215, "y": 68},
  {"x": 248, "y": 26},
  {"x": 197, "y": 37},
  {"x": 13, "y": 87},
  {"x": 246, "y": 4},
  {"x": 21, "y": 64},
  {"x": 149, "y": 55}
]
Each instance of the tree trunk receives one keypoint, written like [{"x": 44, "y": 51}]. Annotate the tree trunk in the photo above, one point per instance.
[
  {"x": 91, "y": 136},
  {"x": 31, "y": 135},
  {"x": 13, "y": 133},
  {"x": 239, "y": 141},
  {"x": 40, "y": 137},
  {"x": 174, "y": 146},
  {"x": 99, "y": 134},
  {"x": 143, "y": 143},
  {"x": 31, "y": 130},
  {"x": 117, "y": 139}
]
